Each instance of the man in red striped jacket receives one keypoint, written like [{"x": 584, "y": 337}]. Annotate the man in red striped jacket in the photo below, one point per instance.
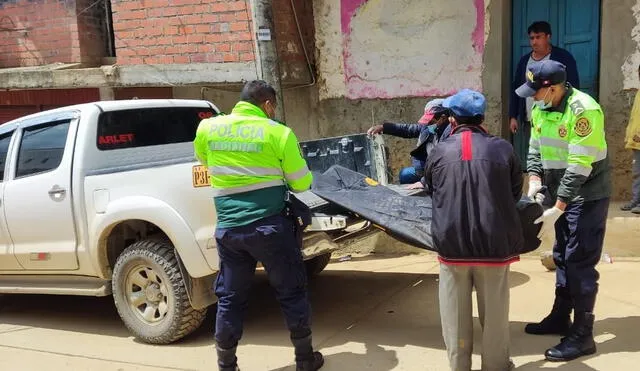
[{"x": 475, "y": 181}]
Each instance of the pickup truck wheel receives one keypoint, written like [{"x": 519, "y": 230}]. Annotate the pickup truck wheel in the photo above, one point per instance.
[
  {"x": 317, "y": 264},
  {"x": 150, "y": 294}
]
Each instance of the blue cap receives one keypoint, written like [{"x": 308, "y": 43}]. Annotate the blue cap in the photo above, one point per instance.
[
  {"x": 541, "y": 75},
  {"x": 466, "y": 103}
]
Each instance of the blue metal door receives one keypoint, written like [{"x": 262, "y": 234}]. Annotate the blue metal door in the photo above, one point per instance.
[{"x": 575, "y": 26}]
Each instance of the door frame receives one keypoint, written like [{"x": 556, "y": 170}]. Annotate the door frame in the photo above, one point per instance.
[
  {"x": 507, "y": 54},
  {"x": 509, "y": 49}
]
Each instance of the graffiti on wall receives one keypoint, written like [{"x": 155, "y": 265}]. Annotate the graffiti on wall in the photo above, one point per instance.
[{"x": 406, "y": 48}]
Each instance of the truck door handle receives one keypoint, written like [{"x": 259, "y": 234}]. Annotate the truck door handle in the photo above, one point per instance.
[{"x": 57, "y": 193}]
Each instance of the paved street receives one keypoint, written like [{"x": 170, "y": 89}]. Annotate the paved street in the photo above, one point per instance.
[{"x": 370, "y": 313}]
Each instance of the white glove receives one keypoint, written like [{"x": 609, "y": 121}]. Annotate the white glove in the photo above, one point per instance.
[
  {"x": 548, "y": 220},
  {"x": 534, "y": 187}
]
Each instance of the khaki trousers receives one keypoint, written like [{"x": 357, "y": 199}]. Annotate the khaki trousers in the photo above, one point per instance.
[{"x": 456, "y": 313}]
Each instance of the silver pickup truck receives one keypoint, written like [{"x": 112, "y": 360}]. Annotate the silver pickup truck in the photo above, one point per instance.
[{"x": 106, "y": 198}]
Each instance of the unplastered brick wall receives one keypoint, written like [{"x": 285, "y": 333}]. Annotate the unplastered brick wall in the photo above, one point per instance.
[
  {"x": 39, "y": 32},
  {"x": 182, "y": 31},
  {"x": 293, "y": 63}
]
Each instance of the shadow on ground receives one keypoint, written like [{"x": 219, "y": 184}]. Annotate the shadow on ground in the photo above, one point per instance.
[{"x": 376, "y": 309}]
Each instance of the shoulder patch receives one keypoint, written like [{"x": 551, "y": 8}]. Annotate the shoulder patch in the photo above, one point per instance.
[
  {"x": 577, "y": 108},
  {"x": 583, "y": 127},
  {"x": 562, "y": 131}
]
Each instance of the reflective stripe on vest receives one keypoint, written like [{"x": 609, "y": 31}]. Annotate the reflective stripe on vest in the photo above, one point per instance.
[
  {"x": 297, "y": 174},
  {"x": 553, "y": 142},
  {"x": 599, "y": 154},
  {"x": 554, "y": 164},
  {"x": 251, "y": 187},
  {"x": 579, "y": 169},
  {"x": 573, "y": 149},
  {"x": 242, "y": 170}
]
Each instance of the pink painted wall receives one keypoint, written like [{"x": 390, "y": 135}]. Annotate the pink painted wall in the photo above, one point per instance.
[{"x": 411, "y": 47}]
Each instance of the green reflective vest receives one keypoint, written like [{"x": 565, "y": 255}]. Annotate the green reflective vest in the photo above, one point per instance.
[
  {"x": 568, "y": 149},
  {"x": 249, "y": 156}
]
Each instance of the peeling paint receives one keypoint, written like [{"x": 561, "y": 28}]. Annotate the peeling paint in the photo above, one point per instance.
[
  {"x": 329, "y": 42},
  {"x": 349, "y": 8},
  {"x": 411, "y": 47},
  {"x": 630, "y": 66},
  {"x": 404, "y": 48},
  {"x": 478, "y": 36}
]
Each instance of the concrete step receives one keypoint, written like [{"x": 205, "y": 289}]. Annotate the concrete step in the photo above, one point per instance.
[{"x": 623, "y": 232}]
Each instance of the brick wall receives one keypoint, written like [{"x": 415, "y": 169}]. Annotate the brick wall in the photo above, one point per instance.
[
  {"x": 293, "y": 64},
  {"x": 187, "y": 31},
  {"x": 37, "y": 32},
  {"x": 91, "y": 29}
]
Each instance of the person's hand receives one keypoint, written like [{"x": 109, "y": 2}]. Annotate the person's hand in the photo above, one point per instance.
[
  {"x": 416, "y": 185},
  {"x": 535, "y": 185},
  {"x": 513, "y": 125},
  {"x": 548, "y": 220},
  {"x": 376, "y": 129}
]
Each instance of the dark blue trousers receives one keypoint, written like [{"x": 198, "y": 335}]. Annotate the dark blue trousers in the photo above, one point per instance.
[
  {"x": 579, "y": 240},
  {"x": 272, "y": 242},
  {"x": 408, "y": 175}
]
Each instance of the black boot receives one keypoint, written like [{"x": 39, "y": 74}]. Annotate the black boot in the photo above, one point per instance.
[
  {"x": 558, "y": 322},
  {"x": 227, "y": 360},
  {"x": 578, "y": 343},
  {"x": 306, "y": 358}
]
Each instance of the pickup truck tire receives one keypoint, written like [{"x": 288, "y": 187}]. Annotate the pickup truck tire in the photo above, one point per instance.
[
  {"x": 150, "y": 294},
  {"x": 317, "y": 264}
]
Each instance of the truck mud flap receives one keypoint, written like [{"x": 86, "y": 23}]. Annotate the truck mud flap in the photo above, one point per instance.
[{"x": 400, "y": 214}]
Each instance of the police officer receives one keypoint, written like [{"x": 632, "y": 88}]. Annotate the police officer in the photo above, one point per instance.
[
  {"x": 568, "y": 154},
  {"x": 253, "y": 161}
]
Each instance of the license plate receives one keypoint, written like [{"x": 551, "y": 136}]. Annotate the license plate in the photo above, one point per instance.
[{"x": 200, "y": 176}]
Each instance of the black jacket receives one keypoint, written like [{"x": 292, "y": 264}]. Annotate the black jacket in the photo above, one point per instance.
[
  {"x": 428, "y": 136},
  {"x": 475, "y": 181}
]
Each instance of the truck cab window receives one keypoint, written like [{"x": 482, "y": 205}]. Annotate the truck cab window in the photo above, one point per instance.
[
  {"x": 41, "y": 148},
  {"x": 149, "y": 127},
  {"x": 5, "y": 140}
]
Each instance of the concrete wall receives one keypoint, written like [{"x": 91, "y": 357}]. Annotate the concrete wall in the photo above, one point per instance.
[
  {"x": 357, "y": 89},
  {"x": 301, "y": 105},
  {"x": 333, "y": 107},
  {"x": 619, "y": 60},
  {"x": 404, "y": 48},
  {"x": 496, "y": 66},
  {"x": 399, "y": 89},
  {"x": 379, "y": 60},
  {"x": 632, "y": 60}
]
